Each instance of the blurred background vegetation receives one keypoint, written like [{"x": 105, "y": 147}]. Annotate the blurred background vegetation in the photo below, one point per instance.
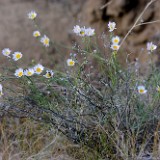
[{"x": 57, "y": 18}]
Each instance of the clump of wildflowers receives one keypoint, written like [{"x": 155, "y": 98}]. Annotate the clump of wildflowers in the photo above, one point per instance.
[
  {"x": 38, "y": 69},
  {"x": 36, "y": 34},
  {"x": 70, "y": 62},
  {"x": 17, "y": 56},
  {"x": 82, "y": 31},
  {"x": 115, "y": 43},
  {"x": 29, "y": 72},
  {"x": 45, "y": 40},
  {"x": 142, "y": 90},
  {"x": 32, "y": 15},
  {"x": 151, "y": 47},
  {"x": 111, "y": 26},
  {"x": 49, "y": 74},
  {"x": 98, "y": 95},
  {"x": 6, "y": 52},
  {"x": 19, "y": 73}
]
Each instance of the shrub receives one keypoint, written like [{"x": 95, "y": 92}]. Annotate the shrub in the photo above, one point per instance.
[{"x": 96, "y": 103}]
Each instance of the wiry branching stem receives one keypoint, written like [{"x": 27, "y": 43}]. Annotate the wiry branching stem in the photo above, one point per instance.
[
  {"x": 151, "y": 22},
  {"x": 137, "y": 20}
]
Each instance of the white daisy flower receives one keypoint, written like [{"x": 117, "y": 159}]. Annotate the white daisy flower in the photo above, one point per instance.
[
  {"x": 94, "y": 51},
  {"x": 32, "y": 15},
  {"x": 70, "y": 62},
  {"x": 45, "y": 40},
  {"x": 82, "y": 33},
  {"x": 1, "y": 90},
  {"x": 115, "y": 47},
  {"x": 36, "y": 34},
  {"x": 49, "y": 74},
  {"x": 142, "y": 90},
  {"x": 38, "y": 69},
  {"x": 6, "y": 52},
  {"x": 19, "y": 73},
  {"x": 115, "y": 40},
  {"x": 111, "y": 26},
  {"x": 17, "y": 56},
  {"x": 77, "y": 29},
  {"x": 89, "y": 32},
  {"x": 29, "y": 72},
  {"x": 158, "y": 88},
  {"x": 151, "y": 47}
]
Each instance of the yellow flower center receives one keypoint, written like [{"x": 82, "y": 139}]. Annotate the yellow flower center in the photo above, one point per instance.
[
  {"x": 115, "y": 47},
  {"x": 152, "y": 48},
  {"x": 48, "y": 75},
  {"x": 71, "y": 63},
  {"x": 18, "y": 56},
  {"x": 38, "y": 70},
  {"x": 116, "y": 41},
  {"x": 7, "y": 53},
  {"x": 141, "y": 91},
  {"x": 36, "y": 34},
  {"x": 46, "y": 41},
  {"x": 1, "y": 93},
  {"x": 111, "y": 27},
  {"x": 32, "y": 16},
  {"x": 29, "y": 73},
  {"x": 20, "y": 74},
  {"x": 82, "y": 32}
]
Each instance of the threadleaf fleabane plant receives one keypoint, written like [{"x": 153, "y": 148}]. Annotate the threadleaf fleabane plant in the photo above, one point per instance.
[
  {"x": 112, "y": 26},
  {"x": 45, "y": 41},
  {"x": 115, "y": 40},
  {"x": 36, "y": 34},
  {"x": 83, "y": 31},
  {"x": 115, "y": 47},
  {"x": 6, "y": 52},
  {"x": 29, "y": 72},
  {"x": 151, "y": 47},
  {"x": 38, "y": 69},
  {"x": 49, "y": 74},
  {"x": 92, "y": 99},
  {"x": 142, "y": 90},
  {"x": 19, "y": 73},
  {"x": 70, "y": 62},
  {"x": 32, "y": 15},
  {"x": 115, "y": 43},
  {"x": 17, "y": 56}
]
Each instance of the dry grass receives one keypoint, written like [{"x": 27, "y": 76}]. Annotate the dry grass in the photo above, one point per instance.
[{"x": 24, "y": 139}]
